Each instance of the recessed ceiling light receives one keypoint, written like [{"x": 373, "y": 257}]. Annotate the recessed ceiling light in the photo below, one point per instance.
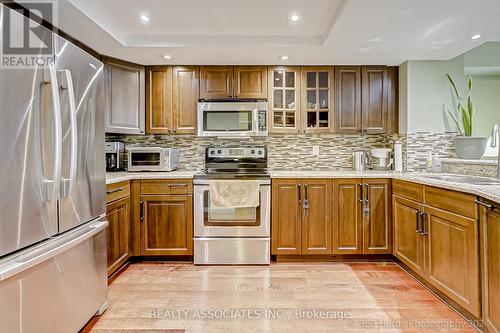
[
  {"x": 293, "y": 17},
  {"x": 284, "y": 57},
  {"x": 476, "y": 36},
  {"x": 144, "y": 18},
  {"x": 166, "y": 56},
  {"x": 376, "y": 40}
]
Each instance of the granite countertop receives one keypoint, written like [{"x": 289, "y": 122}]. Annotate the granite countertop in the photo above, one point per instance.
[
  {"x": 488, "y": 192},
  {"x": 115, "y": 177}
]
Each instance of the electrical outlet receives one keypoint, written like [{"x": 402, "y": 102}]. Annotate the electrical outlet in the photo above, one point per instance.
[{"x": 315, "y": 150}]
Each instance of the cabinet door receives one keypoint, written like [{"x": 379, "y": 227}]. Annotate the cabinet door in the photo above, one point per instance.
[
  {"x": 167, "y": 225},
  {"x": 374, "y": 99},
  {"x": 408, "y": 243},
  {"x": 124, "y": 97},
  {"x": 392, "y": 100},
  {"x": 284, "y": 99},
  {"x": 250, "y": 82},
  {"x": 490, "y": 227},
  {"x": 348, "y": 99},
  {"x": 317, "y": 220},
  {"x": 348, "y": 221},
  {"x": 118, "y": 233},
  {"x": 452, "y": 261},
  {"x": 317, "y": 83},
  {"x": 186, "y": 91},
  {"x": 216, "y": 82},
  {"x": 159, "y": 100},
  {"x": 377, "y": 235},
  {"x": 286, "y": 216}
]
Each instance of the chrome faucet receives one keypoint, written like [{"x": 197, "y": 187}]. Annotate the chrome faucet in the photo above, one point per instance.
[{"x": 494, "y": 143}]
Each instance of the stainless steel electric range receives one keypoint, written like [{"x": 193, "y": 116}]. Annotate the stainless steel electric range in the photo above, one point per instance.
[{"x": 233, "y": 235}]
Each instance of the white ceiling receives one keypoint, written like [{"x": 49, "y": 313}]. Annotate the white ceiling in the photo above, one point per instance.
[{"x": 258, "y": 31}]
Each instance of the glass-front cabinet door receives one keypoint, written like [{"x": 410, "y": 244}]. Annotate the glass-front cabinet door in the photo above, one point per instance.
[
  {"x": 284, "y": 96},
  {"x": 317, "y": 98}
]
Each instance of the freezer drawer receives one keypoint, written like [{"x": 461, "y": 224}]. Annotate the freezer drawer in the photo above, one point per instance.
[
  {"x": 232, "y": 251},
  {"x": 55, "y": 287}
]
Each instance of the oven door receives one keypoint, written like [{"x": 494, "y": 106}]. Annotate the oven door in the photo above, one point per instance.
[
  {"x": 227, "y": 119},
  {"x": 231, "y": 222}
]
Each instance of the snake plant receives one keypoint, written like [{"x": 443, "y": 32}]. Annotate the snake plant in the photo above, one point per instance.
[{"x": 464, "y": 110}]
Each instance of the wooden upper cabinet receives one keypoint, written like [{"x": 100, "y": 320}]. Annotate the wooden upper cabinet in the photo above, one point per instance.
[
  {"x": 286, "y": 216},
  {"x": 375, "y": 99},
  {"x": 377, "y": 231},
  {"x": 167, "y": 225},
  {"x": 284, "y": 99},
  {"x": 452, "y": 257},
  {"x": 348, "y": 99},
  {"x": 250, "y": 82},
  {"x": 317, "y": 98},
  {"x": 159, "y": 100},
  {"x": 216, "y": 82},
  {"x": 124, "y": 97},
  {"x": 317, "y": 219},
  {"x": 186, "y": 91},
  {"x": 408, "y": 243},
  {"x": 348, "y": 221},
  {"x": 392, "y": 100},
  {"x": 490, "y": 249}
]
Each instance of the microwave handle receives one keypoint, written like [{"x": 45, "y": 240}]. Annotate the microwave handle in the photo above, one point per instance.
[{"x": 255, "y": 122}]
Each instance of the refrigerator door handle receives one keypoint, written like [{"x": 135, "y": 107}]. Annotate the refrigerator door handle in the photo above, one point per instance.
[
  {"x": 51, "y": 186},
  {"x": 31, "y": 258},
  {"x": 66, "y": 83}
]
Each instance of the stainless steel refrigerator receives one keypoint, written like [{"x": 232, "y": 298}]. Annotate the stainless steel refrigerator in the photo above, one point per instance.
[{"x": 52, "y": 190}]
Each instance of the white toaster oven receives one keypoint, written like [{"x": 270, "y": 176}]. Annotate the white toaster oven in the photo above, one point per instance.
[{"x": 153, "y": 159}]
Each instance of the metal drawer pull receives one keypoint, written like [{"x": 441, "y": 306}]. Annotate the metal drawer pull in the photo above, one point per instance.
[
  {"x": 484, "y": 204},
  {"x": 177, "y": 185},
  {"x": 417, "y": 222},
  {"x": 298, "y": 191},
  {"x": 114, "y": 190},
  {"x": 423, "y": 232},
  {"x": 360, "y": 192}
]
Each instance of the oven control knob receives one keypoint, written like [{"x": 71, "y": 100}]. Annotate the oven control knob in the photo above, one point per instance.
[
  {"x": 253, "y": 151},
  {"x": 260, "y": 152},
  {"x": 212, "y": 152},
  {"x": 219, "y": 151}
]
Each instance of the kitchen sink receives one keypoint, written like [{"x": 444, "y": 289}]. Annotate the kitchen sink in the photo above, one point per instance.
[{"x": 465, "y": 179}]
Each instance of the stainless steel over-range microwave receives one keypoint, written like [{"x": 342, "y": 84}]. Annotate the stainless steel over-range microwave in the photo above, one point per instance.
[{"x": 232, "y": 119}]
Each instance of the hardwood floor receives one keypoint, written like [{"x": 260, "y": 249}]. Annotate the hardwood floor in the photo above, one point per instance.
[{"x": 151, "y": 297}]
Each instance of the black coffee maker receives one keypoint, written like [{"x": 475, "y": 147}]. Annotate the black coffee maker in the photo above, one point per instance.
[{"x": 115, "y": 156}]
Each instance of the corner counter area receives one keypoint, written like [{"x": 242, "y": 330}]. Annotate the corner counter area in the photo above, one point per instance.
[{"x": 443, "y": 233}]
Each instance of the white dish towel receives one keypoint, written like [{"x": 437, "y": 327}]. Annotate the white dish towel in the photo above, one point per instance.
[{"x": 234, "y": 193}]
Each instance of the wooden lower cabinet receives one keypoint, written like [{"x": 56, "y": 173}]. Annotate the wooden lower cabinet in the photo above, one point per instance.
[
  {"x": 363, "y": 219},
  {"x": 490, "y": 250},
  {"x": 348, "y": 221},
  {"x": 408, "y": 242},
  {"x": 295, "y": 228},
  {"x": 118, "y": 233},
  {"x": 377, "y": 219},
  {"x": 167, "y": 225},
  {"x": 286, "y": 217},
  {"x": 452, "y": 257},
  {"x": 316, "y": 221}
]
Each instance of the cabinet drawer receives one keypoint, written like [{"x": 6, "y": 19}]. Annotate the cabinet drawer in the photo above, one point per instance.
[
  {"x": 408, "y": 190},
  {"x": 452, "y": 201},
  {"x": 117, "y": 191},
  {"x": 177, "y": 186}
]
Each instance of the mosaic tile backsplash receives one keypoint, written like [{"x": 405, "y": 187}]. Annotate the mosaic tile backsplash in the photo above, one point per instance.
[{"x": 287, "y": 152}]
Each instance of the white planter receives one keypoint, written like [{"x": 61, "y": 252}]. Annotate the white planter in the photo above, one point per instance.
[{"x": 470, "y": 147}]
